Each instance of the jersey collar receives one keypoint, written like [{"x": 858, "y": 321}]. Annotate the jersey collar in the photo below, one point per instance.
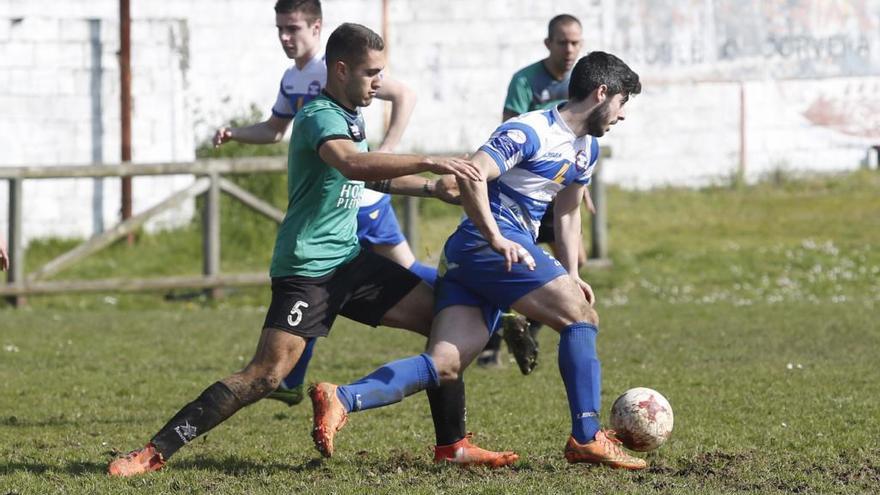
[
  {"x": 559, "y": 120},
  {"x": 327, "y": 95}
]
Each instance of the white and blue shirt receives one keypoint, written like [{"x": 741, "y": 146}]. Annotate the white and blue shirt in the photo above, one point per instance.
[
  {"x": 300, "y": 86},
  {"x": 538, "y": 155}
]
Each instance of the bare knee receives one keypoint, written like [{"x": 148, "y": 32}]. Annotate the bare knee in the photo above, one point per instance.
[
  {"x": 448, "y": 367},
  {"x": 580, "y": 311}
]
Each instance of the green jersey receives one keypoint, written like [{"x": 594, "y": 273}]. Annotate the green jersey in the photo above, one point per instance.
[
  {"x": 534, "y": 88},
  {"x": 319, "y": 231}
]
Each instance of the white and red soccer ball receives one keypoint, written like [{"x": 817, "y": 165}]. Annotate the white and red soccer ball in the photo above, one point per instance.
[{"x": 642, "y": 419}]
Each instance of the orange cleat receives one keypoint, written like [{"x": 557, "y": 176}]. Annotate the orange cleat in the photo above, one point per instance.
[
  {"x": 136, "y": 462},
  {"x": 464, "y": 453},
  {"x": 330, "y": 416},
  {"x": 604, "y": 449}
]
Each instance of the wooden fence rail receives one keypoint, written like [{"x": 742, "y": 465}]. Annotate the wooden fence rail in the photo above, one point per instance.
[{"x": 209, "y": 183}]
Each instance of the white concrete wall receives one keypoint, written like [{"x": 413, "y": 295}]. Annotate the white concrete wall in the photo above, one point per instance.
[{"x": 806, "y": 71}]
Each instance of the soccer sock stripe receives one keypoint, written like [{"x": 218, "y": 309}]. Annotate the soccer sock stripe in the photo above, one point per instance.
[
  {"x": 212, "y": 407},
  {"x": 390, "y": 383},
  {"x": 448, "y": 411},
  {"x": 298, "y": 375},
  {"x": 581, "y": 373},
  {"x": 425, "y": 272}
]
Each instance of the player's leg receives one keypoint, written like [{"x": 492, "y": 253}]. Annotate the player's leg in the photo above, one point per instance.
[
  {"x": 402, "y": 254},
  {"x": 291, "y": 390},
  {"x": 379, "y": 230},
  {"x": 272, "y": 360},
  {"x": 411, "y": 311},
  {"x": 560, "y": 304},
  {"x": 458, "y": 335}
]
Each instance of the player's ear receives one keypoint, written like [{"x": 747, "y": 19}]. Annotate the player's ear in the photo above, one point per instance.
[
  {"x": 316, "y": 27},
  {"x": 340, "y": 69},
  {"x": 547, "y": 42},
  {"x": 601, "y": 93}
]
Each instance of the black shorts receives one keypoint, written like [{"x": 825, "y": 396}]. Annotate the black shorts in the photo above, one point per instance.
[
  {"x": 546, "y": 232},
  {"x": 364, "y": 289}
]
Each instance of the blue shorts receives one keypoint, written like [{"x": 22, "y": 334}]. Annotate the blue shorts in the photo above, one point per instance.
[
  {"x": 378, "y": 225},
  {"x": 472, "y": 274}
]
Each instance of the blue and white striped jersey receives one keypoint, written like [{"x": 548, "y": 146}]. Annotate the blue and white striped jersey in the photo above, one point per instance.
[
  {"x": 300, "y": 86},
  {"x": 538, "y": 155}
]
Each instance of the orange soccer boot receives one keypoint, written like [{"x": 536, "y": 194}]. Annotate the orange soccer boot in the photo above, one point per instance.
[
  {"x": 137, "y": 462},
  {"x": 604, "y": 449},
  {"x": 330, "y": 416},
  {"x": 464, "y": 453}
]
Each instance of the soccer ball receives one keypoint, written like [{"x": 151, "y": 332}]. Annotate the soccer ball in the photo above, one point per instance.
[{"x": 642, "y": 419}]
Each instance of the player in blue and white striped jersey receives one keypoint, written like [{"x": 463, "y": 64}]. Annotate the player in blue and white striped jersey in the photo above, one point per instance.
[{"x": 492, "y": 262}]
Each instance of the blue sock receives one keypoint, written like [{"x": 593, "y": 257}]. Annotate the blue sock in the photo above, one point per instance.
[
  {"x": 581, "y": 373},
  {"x": 298, "y": 375},
  {"x": 390, "y": 383},
  {"x": 425, "y": 272}
]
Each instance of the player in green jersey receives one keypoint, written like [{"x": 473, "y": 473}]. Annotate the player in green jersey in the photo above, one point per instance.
[{"x": 319, "y": 269}]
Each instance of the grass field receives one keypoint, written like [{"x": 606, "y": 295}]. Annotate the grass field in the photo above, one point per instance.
[{"x": 753, "y": 310}]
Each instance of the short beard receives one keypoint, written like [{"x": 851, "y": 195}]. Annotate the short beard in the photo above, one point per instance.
[{"x": 597, "y": 119}]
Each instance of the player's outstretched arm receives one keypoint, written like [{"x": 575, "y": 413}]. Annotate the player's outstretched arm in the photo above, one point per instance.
[
  {"x": 567, "y": 225},
  {"x": 266, "y": 132},
  {"x": 403, "y": 101},
  {"x": 475, "y": 200},
  {"x": 344, "y": 156},
  {"x": 445, "y": 188}
]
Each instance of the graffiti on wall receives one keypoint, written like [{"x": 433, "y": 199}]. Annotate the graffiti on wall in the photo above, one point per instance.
[{"x": 751, "y": 39}]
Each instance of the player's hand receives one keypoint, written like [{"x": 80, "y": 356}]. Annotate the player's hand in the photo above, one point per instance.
[
  {"x": 459, "y": 167},
  {"x": 446, "y": 189},
  {"x": 4, "y": 260},
  {"x": 587, "y": 290},
  {"x": 588, "y": 200},
  {"x": 222, "y": 135},
  {"x": 513, "y": 252}
]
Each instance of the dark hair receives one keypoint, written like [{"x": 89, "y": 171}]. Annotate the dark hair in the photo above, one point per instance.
[
  {"x": 350, "y": 42},
  {"x": 598, "y": 68},
  {"x": 561, "y": 19},
  {"x": 311, "y": 8}
]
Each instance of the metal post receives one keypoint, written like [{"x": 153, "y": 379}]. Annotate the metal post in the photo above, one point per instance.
[
  {"x": 411, "y": 222},
  {"x": 16, "y": 242},
  {"x": 125, "y": 103},
  {"x": 211, "y": 234},
  {"x": 599, "y": 223}
]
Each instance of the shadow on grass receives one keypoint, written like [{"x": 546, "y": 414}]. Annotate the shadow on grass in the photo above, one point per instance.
[
  {"x": 237, "y": 465},
  {"x": 73, "y": 468}
]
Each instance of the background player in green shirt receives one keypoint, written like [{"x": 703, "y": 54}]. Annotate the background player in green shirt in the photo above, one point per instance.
[
  {"x": 538, "y": 86},
  {"x": 318, "y": 268}
]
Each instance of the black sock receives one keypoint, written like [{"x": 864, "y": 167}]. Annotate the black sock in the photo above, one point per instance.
[
  {"x": 494, "y": 343},
  {"x": 215, "y": 405},
  {"x": 448, "y": 412}
]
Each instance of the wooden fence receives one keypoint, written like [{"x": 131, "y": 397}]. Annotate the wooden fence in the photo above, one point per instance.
[{"x": 210, "y": 183}]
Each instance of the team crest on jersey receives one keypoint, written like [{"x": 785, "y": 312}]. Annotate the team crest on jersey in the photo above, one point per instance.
[
  {"x": 355, "y": 132},
  {"x": 314, "y": 88},
  {"x": 508, "y": 142},
  {"x": 581, "y": 162}
]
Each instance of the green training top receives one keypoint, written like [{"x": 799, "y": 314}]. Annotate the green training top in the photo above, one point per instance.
[
  {"x": 533, "y": 88},
  {"x": 319, "y": 231}
]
